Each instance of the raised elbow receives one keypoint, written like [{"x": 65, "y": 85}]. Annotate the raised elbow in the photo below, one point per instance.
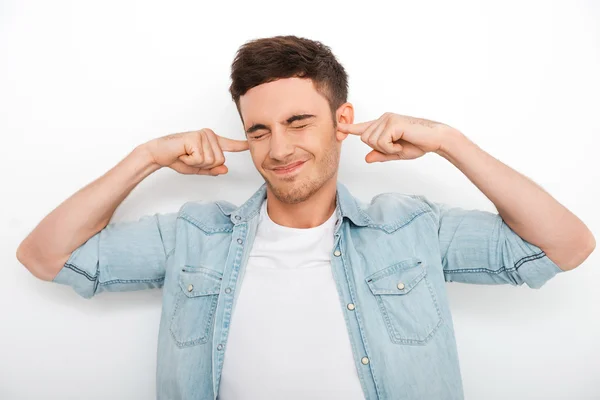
[
  {"x": 22, "y": 256},
  {"x": 585, "y": 250},
  {"x": 34, "y": 264},
  {"x": 591, "y": 245}
]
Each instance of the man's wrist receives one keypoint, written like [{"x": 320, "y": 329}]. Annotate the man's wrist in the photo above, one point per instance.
[
  {"x": 452, "y": 141},
  {"x": 144, "y": 159}
]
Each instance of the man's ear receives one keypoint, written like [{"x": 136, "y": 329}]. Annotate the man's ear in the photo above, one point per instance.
[{"x": 345, "y": 115}]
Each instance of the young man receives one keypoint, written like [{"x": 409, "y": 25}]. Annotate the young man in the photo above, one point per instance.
[{"x": 304, "y": 291}]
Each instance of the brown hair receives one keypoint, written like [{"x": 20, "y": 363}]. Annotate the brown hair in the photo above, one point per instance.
[{"x": 267, "y": 59}]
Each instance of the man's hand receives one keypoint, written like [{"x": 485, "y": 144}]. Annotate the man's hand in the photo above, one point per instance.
[
  {"x": 196, "y": 152},
  {"x": 398, "y": 137}
]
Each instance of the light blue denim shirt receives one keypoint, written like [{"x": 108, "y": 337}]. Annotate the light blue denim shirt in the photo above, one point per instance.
[{"x": 391, "y": 260}]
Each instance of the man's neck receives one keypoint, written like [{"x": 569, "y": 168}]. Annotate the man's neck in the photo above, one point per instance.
[{"x": 312, "y": 212}]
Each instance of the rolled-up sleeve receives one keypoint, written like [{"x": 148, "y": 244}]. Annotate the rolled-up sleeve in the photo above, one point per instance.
[
  {"x": 479, "y": 247},
  {"x": 124, "y": 256}
]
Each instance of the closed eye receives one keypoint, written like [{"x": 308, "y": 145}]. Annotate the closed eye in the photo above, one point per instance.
[{"x": 256, "y": 137}]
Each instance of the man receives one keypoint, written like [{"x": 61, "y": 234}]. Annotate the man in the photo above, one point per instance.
[{"x": 304, "y": 291}]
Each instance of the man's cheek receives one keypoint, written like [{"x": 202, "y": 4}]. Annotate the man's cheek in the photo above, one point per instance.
[{"x": 258, "y": 159}]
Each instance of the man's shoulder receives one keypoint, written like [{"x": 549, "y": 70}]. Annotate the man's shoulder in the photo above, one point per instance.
[
  {"x": 209, "y": 215},
  {"x": 405, "y": 201},
  {"x": 394, "y": 209}
]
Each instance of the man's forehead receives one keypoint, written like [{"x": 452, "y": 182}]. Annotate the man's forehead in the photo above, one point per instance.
[
  {"x": 282, "y": 85},
  {"x": 280, "y": 99}
]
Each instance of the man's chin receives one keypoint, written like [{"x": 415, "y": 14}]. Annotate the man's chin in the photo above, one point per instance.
[{"x": 289, "y": 191}]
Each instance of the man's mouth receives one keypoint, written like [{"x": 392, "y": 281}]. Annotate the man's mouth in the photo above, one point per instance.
[{"x": 286, "y": 169}]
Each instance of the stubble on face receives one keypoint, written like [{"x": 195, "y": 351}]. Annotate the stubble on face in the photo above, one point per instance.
[{"x": 296, "y": 189}]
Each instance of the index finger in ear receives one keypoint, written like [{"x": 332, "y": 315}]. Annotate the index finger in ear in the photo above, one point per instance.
[
  {"x": 354, "y": 129},
  {"x": 232, "y": 145}
]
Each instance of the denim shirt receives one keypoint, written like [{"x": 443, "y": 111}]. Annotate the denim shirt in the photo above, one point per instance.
[{"x": 390, "y": 261}]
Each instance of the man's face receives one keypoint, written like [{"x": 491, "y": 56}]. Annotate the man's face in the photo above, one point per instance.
[{"x": 289, "y": 124}]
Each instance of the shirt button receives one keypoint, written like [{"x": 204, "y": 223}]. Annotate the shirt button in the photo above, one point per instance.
[
  {"x": 364, "y": 360},
  {"x": 337, "y": 253},
  {"x": 228, "y": 290},
  {"x": 350, "y": 306},
  {"x": 190, "y": 287},
  {"x": 400, "y": 285},
  {"x": 237, "y": 217},
  {"x": 220, "y": 347},
  {"x": 240, "y": 241}
]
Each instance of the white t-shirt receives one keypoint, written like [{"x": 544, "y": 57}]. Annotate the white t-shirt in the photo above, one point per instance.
[{"x": 288, "y": 339}]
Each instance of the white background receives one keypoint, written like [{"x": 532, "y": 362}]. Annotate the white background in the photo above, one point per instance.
[{"x": 82, "y": 83}]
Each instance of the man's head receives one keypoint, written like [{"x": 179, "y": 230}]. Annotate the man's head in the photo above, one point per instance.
[{"x": 290, "y": 93}]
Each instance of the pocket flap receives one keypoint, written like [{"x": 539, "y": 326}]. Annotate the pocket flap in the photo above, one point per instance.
[
  {"x": 199, "y": 281},
  {"x": 398, "y": 278}
]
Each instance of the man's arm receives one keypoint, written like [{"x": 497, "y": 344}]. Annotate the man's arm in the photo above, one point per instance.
[
  {"x": 530, "y": 211},
  {"x": 46, "y": 249},
  {"x": 77, "y": 230}
]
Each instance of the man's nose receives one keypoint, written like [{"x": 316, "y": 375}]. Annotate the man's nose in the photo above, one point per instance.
[{"x": 281, "y": 146}]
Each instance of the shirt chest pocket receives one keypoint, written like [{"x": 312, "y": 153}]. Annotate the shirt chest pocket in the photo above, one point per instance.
[
  {"x": 406, "y": 301},
  {"x": 195, "y": 304}
]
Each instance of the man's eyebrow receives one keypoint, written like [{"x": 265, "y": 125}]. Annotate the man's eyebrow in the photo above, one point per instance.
[
  {"x": 291, "y": 119},
  {"x": 255, "y": 128},
  {"x": 299, "y": 117}
]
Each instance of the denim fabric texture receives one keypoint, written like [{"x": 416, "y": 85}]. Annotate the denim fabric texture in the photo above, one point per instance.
[{"x": 391, "y": 260}]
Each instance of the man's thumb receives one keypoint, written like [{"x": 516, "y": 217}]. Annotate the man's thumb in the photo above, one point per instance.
[
  {"x": 376, "y": 156},
  {"x": 230, "y": 145}
]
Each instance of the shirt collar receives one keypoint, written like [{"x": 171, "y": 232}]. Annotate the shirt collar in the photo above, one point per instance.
[{"x": 346, "y": 206}]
